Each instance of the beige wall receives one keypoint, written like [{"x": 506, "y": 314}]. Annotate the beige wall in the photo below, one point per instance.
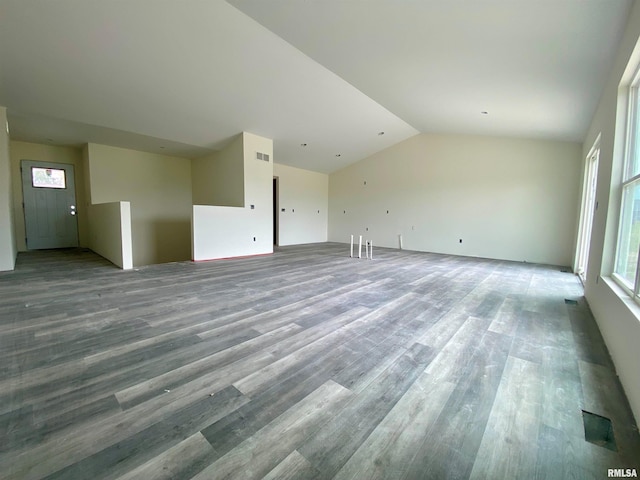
[
  {"x": 617, "y": 315},
  {"x": 7, "y": 230},
  {"x": 86, "y": 169},
  {"x": 218, "y": 178},
  {"x": 505, "y": 198},
  {"x": 110, "y": 232},
  {"x": 223, "y": 231},
  {"x": 304, "y": 196},
  {"x": 47, "y": 153},
  {"x": 159, "y": 189}
]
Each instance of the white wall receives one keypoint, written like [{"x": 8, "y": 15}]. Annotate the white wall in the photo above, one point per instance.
[
  {"x": 506, "y": 198},
  {"x": 304, "y": 196},
  {"x": 159, "y": 189},
  {"x": 218, "y": 178},
  {"x": 258, "y": 188},
  {"x": 617, "y": 316},
  {"x": 222, "y": 232},
  {"x": 110, "y": 232},
  {"x": 225, "y": 232},
  {"x": 47, "y": 153},
  {"x": 7, "y": 232}
]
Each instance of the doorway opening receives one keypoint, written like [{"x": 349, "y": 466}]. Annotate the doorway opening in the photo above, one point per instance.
[
  {"x": 49, "y": 199},
  {"x": 587, "y": 213},
  {"x": 275, "y": 211}
]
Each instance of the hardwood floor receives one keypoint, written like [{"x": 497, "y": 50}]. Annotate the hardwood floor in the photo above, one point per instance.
[{"x": 302, "y": 365}]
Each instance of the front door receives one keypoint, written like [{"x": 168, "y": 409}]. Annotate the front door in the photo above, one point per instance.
[{"x": 49, "y": 205}]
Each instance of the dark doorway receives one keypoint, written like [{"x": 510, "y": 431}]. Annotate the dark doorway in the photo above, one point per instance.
[{"x": 275, "y": 210}]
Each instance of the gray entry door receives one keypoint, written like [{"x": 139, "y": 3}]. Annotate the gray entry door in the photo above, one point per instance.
[{"x": 49, "y": 205}]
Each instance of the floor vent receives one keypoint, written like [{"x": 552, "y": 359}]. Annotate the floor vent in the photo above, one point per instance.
[
  {"x": 598, "y": 430},
  {"x": 568, "y": 301}
]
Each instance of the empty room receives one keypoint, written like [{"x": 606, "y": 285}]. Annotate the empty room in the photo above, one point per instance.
[{"x": 320, "y": 239}]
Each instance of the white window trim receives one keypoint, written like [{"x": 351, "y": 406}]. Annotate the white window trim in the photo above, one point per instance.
[
  {"x": 585, "y": 227},
  {"x": 633, "y": 118}
]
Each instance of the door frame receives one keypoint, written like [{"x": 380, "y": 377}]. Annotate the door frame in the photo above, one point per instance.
[{"x": 589, "y": 205}]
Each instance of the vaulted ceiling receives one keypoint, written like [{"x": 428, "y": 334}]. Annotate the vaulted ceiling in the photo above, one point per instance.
[{"x": 322, "y": 78}]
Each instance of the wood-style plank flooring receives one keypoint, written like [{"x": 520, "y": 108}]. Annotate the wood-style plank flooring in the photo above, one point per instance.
[{"x": 305, "y": 364}]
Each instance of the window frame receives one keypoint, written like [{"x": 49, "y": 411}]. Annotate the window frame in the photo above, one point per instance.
[
  {"x": 48, "y": 187},
  {"x": 632, "y": 141}
]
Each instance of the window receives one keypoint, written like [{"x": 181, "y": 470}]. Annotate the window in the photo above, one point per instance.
[
  {"x": 626, "y": 264},
  {"x": 48, "y": 178},
  {"x": 588, "y": 210},
  {"x": 629, "y": 236}
]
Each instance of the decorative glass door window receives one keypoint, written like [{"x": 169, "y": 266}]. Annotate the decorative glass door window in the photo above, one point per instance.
[{"x": 48, "y": 178}]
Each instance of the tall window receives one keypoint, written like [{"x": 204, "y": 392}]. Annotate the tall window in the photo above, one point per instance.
[
  {"x": 626, "y": 265},
  {"x": 588, "y": 210}
]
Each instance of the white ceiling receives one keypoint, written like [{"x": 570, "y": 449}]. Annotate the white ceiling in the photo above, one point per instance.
[{"x": 183, "y": 77}]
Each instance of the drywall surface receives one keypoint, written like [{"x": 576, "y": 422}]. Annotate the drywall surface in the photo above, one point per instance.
[
  {"x": 202, "y": 178},
  {"x": 258, "y": 188},
  {"x": 303, "y": 198},
  {"x": 110, "y": 237},
  {"x": 505, "y": 198},
  {"x": 221, "y": 232},
  {"x": 159, "y": 190},
  {"x": 617, "y": 316},
  {"x": 8, "y": 249},
  {"x": 218, "y": 178},
  {"x": 225, "y": 232},
  {"x": 47, "y": 153}
]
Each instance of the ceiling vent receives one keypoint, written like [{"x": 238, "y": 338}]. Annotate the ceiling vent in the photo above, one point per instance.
[{"x": 262, "y": 156}]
